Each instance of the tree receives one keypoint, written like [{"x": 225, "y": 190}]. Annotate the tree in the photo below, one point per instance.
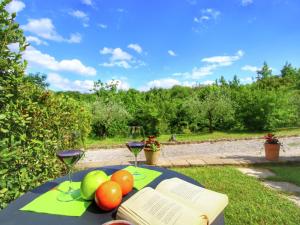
[
  {"x": 264, "y": 72},
  {"x": 11, "y": 74},
  {"x": 37, "y": 79},
  {"x": 235, "y": 82},
  {"x": 222, "y": 81},
  {"x": 34, "y": 123},
  {"x": 109, "y": 118},
  {"x": 289, "y": 74},
  {"x": 216, "y": 109}
]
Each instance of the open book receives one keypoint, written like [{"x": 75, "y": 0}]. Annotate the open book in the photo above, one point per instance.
[{"x": 174, "y": 201}]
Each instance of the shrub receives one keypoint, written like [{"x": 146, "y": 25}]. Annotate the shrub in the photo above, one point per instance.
[{"x": 34, "y": 123}]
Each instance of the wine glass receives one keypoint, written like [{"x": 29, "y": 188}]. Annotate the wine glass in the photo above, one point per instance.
[
  {"x": 69, "y": 158},
  {"x": 136, "y": 145}
]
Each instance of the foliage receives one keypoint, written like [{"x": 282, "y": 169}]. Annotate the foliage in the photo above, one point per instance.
[
  {"x": 269, "y": 103},
  {"x": 37, "y": 79},
  {"x": 215, "y": 110},
  {"x": 34, "y": 122},
  {"x": 109, "y": 118},
  {"x": 95, "y": 142},
  {"x": 271, "y": 139},
  {"x": 152, "y": 144}
]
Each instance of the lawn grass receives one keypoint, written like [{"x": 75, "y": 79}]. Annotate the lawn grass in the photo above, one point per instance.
[
  {"x": 205, "y": 136},
  {"x": 249, "y": 201},
  {"x": 288, "y": 173}
]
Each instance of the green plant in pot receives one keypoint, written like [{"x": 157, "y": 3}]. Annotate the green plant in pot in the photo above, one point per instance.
[
  {"x": 272, "y": 147},
  {"x": 152, "y": 150}
]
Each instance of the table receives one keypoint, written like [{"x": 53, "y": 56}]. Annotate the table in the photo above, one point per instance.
[{"x": 11, "y": 215}]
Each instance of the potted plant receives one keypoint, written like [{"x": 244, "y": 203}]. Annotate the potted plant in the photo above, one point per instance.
[
  {"x": 152, "y": 150},
  {"x": 272, "y": 147}
]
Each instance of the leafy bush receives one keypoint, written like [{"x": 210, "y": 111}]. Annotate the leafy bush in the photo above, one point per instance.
[
  {"x": 109, "y": 119},
  {"x": 34, "y": 122},
  {"x": 215, "y": 111}
]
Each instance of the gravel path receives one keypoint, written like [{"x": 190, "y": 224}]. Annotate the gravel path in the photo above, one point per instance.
[{"x": 222, "y": 152}]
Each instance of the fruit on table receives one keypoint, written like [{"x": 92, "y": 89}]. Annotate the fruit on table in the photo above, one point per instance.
[
  {"x": 108, "y": 196},
  {"x": 124, "y": 179},
  {"x": 91, "y": 182}
]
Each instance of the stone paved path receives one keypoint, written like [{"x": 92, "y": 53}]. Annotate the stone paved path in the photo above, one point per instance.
[
  {"x": 290, "y": 188},
  {"x": 208, "y": 153}
]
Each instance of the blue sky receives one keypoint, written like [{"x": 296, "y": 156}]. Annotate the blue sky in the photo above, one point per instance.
[{"x": 143, "y": 44}]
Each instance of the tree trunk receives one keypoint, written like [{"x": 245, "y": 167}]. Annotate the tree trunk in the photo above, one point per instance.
[{"x": 210, "y": 122}]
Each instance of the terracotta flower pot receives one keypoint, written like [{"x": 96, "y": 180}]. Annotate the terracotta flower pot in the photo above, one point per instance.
[
  {"x": 272, "y": 151},
  {"x": 151, "y": 156}
]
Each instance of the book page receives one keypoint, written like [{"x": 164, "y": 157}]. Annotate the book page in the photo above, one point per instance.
[
  {"x": 206, "y": 202},
  {"x": 149, "y": 207}
]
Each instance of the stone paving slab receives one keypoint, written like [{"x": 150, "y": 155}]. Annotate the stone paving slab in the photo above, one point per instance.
[
  {"x": 180, "y": 162},
  {"x": 258, "y": 173},
  {"x": 283, "y": 186},
  {"x": 276, "y": 185},
  {"x": 295, "y": 199},
  {"x": 196, "y": 162}
]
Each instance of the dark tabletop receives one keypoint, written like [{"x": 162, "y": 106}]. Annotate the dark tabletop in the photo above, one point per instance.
[{"x": 12, "y": 215}]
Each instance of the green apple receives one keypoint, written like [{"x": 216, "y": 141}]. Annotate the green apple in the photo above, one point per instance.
[{"x": 91, "y": 182}]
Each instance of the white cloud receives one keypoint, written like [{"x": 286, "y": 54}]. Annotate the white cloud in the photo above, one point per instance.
[
  {"x": 103, "y": 26},
  {"x": 136, "y": 47},
  {"x": 79, "y": 14},
  {"x": 166, "y": 83},
  {"x": 246, "y": 2},
  {"x": 44, "y": 28},
  {"x": 208, "y": 82},
  {"x": 161, "y": 83},
  {"x": 36, "y": 57},
  {"x": 120, "y": 10},
  {"x": 74, "y": 38},
  {"x": 224, "y": 60},
  {"x": 122, "y": 64},
  {"x": 206, "y": 15},
  {"x": 87, "y": 2},
  {"x": 36, "y": 40},
  {"x": 14, "y": 47},
  {"x": 82, "y": 16},
  {"x": 117, "y": 54},
  {"x": 120, "y": 58},
  {"x": 212, "y": 63},
  {"x": 250, "y": 68},
  {"x": 58, "y": 82},
  {"x": 15, "y": 6},
  {"x": 192, "y": 2},
  {"x": 171, "y": 53},
  {"x": 121, "y": 84},
  {"x": 246, "y": 80}
]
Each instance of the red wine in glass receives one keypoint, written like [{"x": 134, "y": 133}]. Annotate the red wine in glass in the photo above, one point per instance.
[
  {"x": 69, "y": 158},
  {"x": 136, "y": 148}
]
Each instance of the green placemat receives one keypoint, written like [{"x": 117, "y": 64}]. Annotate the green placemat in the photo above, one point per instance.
[
  {"x": 147, "y": 176},
  {"x": 48, "y": 203}
]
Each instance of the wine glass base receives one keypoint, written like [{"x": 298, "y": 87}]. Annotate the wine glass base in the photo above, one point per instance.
[
  {"x": 69, "y": 196},
  {"x": 138, "y": 176}
]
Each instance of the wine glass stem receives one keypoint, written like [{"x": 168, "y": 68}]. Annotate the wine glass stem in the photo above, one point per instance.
[
  {"x": 135, "y": 161},
  {"x": 70, "y": 177}
]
